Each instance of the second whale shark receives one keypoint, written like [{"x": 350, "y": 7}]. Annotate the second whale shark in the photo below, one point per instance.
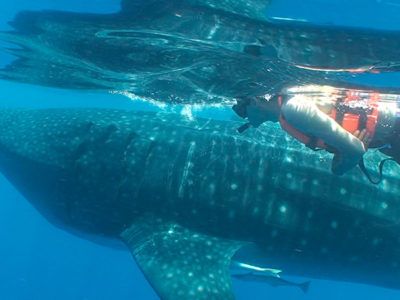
[{"x": 191, "y": 51}]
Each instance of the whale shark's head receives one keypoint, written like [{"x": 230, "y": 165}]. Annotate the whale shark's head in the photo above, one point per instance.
[{"x": 71, "y": 166}]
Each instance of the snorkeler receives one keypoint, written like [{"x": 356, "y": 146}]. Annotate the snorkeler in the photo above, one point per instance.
[{"x": 343, "y": 122}]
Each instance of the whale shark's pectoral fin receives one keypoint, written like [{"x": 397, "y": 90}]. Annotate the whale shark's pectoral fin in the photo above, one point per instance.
[{"x": 180, "y": 263}]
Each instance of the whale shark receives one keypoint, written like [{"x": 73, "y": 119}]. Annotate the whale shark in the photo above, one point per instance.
[
  {"x": 191, "y": 51},
  {"x": 188, "y": 196}
]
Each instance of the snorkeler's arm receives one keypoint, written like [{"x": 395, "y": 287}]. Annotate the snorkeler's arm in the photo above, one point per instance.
[{"x": 308, "y": 118}]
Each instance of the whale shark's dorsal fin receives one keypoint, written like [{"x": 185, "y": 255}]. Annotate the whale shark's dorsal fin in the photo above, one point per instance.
[{"x": 180, "y": 263}]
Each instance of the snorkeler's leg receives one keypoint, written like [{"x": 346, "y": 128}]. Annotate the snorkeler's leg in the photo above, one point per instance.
[{"x": 308, "y": 118}]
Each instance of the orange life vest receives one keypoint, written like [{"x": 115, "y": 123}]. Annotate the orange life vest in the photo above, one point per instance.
[{"x": 350, "y": 117}]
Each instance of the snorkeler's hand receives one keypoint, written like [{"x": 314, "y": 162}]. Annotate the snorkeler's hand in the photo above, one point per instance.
[{"x": 363, "y": 136}]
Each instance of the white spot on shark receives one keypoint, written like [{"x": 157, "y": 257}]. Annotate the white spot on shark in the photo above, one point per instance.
[{"x": 334, "y": 225}]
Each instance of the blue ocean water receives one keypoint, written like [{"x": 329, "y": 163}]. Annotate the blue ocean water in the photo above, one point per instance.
[{"x": 43, "y": 262}]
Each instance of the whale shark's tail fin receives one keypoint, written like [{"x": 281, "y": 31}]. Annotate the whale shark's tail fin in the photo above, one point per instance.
[
  {"x": 305, "y": 286},
  {"x": 180, "y": 263}
]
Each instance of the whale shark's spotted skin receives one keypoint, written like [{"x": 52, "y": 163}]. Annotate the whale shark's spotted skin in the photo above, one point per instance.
[
  {"x": 186, "y": 195},
  {"x": 190, "y": 51}
]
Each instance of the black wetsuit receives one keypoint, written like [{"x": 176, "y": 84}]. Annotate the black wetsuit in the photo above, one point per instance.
[{"x": 394, "y": 143}]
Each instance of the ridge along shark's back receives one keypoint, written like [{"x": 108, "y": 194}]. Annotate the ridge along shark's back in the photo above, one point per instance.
[{"x": 179, "y": 191}]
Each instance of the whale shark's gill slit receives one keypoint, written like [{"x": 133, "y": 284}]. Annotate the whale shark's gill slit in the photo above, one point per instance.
[
  {"x": 82, "y": 145},
  {"x": 131, "y": 137},
  {"x": 142, "y": 166},
  {"x": 108, "y": 132},
  {"x": 124, "y": 176},
  {"x": 186, "y": 169}
]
